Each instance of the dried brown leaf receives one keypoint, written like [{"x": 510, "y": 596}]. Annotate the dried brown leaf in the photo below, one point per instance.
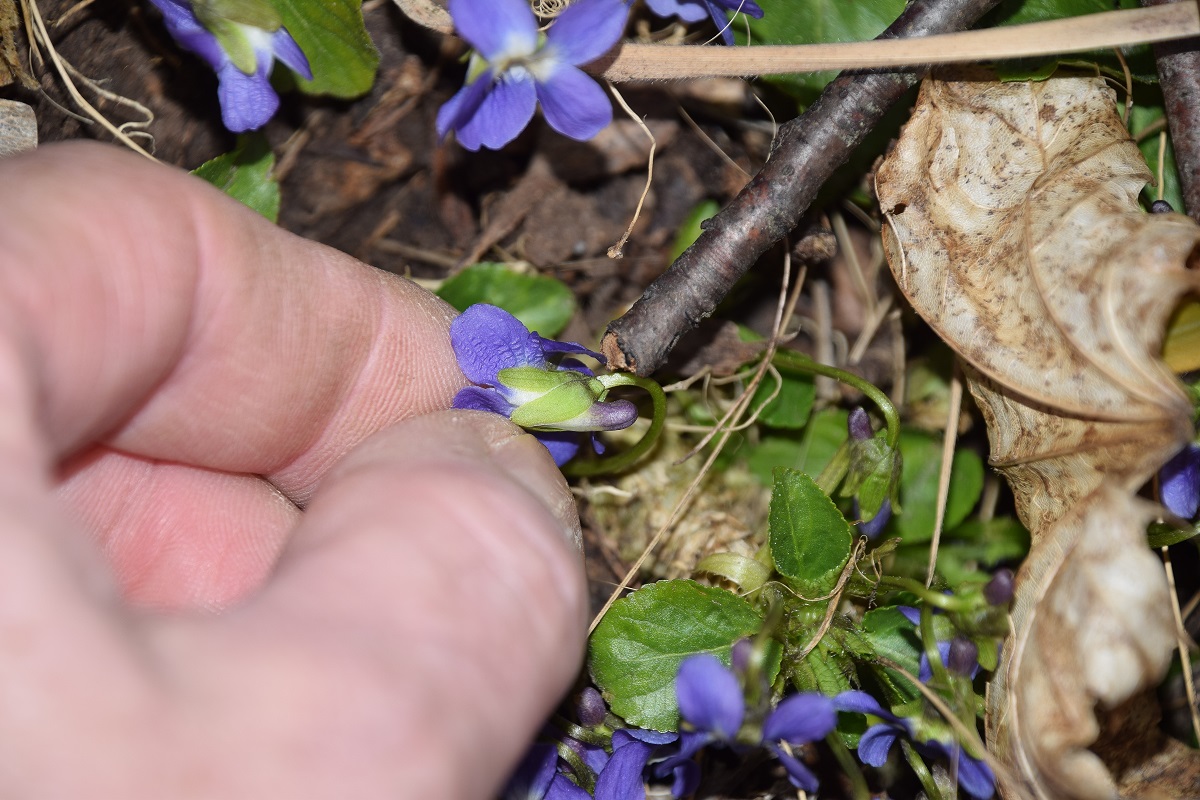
[{"x": 1014, "y": 230}]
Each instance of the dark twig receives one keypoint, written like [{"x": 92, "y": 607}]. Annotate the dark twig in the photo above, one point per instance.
[
  {"x": 1179, "y": 74},
  {"x": 808, "y": 150}
]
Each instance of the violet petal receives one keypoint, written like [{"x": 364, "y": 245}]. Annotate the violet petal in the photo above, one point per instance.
[
  {"x": 586, "y": 30},
  {"x": 622, "y": 776},
  {"x": 247, "y": 101},
  {"x": 503, "y": 113},
  {"x": 563, "y": 445},
  {"x": 709, "y": 695},
  {"x": 686, "y": 10},
  {"x": 561, "y": 788},
  {"x": 1180, "y": 482},
  {"x": 459, "y": 109},
  {"x": 532, "y": 776},
  {"x": 284, "y": 48},
  {"x": 876, "y": 743},
  {"x": 800, "y": 718},
  {"x": 477, "y": 398},
  {"x": 487, "y": 339},
  {"x": 496, "y": 28},
  {"x": 573, "y": 103},
  {"x": 798, "y": 774}
]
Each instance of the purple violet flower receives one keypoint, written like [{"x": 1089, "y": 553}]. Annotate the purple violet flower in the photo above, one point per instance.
[
  {"x": 241, "y": 54},
  {"x": 513, "y": 376},
  {"x": 1179, "y": 480},
  {"x": 696, "y": 10},
  {"x": 974, "y": 776},
  {"x": 515, "y": 66},
  {"x": 711, "y": 701},
  {"x": 537, "y": 778}
]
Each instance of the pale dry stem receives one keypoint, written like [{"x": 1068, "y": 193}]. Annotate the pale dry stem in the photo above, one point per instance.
[
  {"x": 41, "y": 36},
  {"x": 949, "y": 439}
]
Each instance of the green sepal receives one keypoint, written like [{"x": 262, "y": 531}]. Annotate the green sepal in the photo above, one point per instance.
[
  {"x": 255, "y": 13},
  {"x": 565, "y": 394},
  {"x": 233, "y": 40}
]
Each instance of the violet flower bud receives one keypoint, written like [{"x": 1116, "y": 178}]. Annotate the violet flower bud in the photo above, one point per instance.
[
  {"x": 963, "y": 658},
  {"x": 591, "y": 709},
  {"x": 999, "y": 590}
]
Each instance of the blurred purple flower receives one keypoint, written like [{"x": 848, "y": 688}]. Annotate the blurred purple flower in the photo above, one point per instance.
[
  {"x": 974, "y": 776},
  {"x": 537, "y": 778},
  {"x": 696, "y": 10},
  {"x": 516, "y": 67},
  {"x": 711, "y": 701},
  {"x": 513, "y": 377},
  {"x": 1179, "y": 480},
  {"x": 247, "y": 99}
]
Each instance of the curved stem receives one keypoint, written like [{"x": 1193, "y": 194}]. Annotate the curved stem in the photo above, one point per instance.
[
  {"x": 922, "y": 772},
  {"x": 946, "y": 602},
  {"x": 858, "y": 784},
  {"x": 799, "y": 362},
  {"x": 627, "y": 458}
]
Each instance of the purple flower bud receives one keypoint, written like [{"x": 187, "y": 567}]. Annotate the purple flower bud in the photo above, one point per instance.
[
  {"x": 1161, "y": 207},
  {"x": 739, "y": 656},
  {"x": 999, "y": 590},
  {"x": 860, "y": 425},
  {"x": 591, "y": 709},
  {"x": 963, "y": 658}
]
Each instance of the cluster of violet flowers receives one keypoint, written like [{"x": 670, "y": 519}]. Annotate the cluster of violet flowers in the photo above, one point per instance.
[
  {"x": 713, "y": 710},
  {"x": 242, "y": 49},
  {"x": 713, "y": 713},
  {"x": 515, "y": 66}
]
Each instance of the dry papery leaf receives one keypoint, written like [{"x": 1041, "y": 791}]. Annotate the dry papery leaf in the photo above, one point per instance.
[{"x": 1014, "y": 230}]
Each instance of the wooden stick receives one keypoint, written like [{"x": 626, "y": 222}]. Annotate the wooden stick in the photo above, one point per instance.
[{"x": 651, "y": 62}]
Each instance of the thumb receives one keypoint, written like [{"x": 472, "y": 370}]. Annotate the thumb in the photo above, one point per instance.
[{"x": 429, "y": 612}]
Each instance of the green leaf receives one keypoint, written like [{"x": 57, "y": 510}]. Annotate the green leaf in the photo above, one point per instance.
[
  {"x": 922, "y": 454},
  {"x": 245, "y": 174},
  {"x": 1161, "y": 534},
  {"x": 543, "y": 304},
  {"x": 813, "y": 21},
  {"x": 792, "y": 405},
  {"x": 334, "y": 39},
  {"x": 810, "y": 539},
  {"x": 635, "y": 651}
]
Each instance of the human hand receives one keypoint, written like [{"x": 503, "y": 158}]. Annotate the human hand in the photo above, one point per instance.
[{"x": 240, "y": 553}]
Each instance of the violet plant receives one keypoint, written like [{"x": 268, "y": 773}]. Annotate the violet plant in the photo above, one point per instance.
[
  {"x": 241, "y": 41},
  {"x": 515, "y": 67}
]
